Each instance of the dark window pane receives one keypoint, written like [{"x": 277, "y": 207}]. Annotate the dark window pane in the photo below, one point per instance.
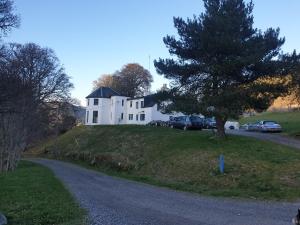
[{"x": 95, "y": 116}]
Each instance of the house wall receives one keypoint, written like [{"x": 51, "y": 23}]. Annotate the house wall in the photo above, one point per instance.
[
  {"x": 110, "y": 111},
  {"x": 117, "y": 109},
  {"x": 103, "y": 111},
  {"x": 133, "y": 110},
  {"x": 158, "y": 115}
]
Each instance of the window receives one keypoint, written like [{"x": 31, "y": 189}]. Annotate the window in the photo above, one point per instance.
[
  {"x": 122, "y": 116},
  {"x": 122, "y": 102},
  {"x": 130, "y": 117},
  {"x": 87, "y": 116},
  {"x": 130, "y": 104},
  {"x": 88, "y": 102},
  {"x": 142, "y": 117},
  {"x": 95, "y": 116},
  {"x": 96, "y": 101},
  {"x": 137, "y": 117},
  {"x": 142, "y": 104},
  {"x": 137, "y": 105}
]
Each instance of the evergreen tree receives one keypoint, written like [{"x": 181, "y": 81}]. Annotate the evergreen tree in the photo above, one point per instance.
[{"x": 223, "y": 63}]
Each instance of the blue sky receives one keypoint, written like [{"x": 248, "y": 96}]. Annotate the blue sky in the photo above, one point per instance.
[{"x": 95, "y": 37}]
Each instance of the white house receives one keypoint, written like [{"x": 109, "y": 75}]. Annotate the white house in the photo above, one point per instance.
[{"x": 107, "y": 107}]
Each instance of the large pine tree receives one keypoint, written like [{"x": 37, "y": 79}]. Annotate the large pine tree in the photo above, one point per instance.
[{"x": 222, "y": 63}]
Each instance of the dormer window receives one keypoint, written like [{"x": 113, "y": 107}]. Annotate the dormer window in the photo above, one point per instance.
[{"x": 96, "y": 101}]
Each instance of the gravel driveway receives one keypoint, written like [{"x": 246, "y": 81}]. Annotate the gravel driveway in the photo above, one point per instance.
[
  {"x": 273, "y": 137},
  {"x": 115, "y": 201}
]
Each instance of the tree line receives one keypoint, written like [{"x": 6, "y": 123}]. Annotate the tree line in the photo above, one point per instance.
[{"x": 33, "y": 88}]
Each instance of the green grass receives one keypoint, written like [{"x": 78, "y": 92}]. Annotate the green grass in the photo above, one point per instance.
[
  {"x": 184, "y": 160},
  {"x": 290, "y": 121},
  {"x": 32, "y": 195}
]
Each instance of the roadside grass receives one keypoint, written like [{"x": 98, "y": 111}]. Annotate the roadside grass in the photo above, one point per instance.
[
  {"x": 32, "y": 195},
  {"x": 290, "y": 121},
  {"x": 182, "y": 160}
]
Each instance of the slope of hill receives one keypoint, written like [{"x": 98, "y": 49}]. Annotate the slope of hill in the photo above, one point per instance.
[{"x": 183, "y": 160}]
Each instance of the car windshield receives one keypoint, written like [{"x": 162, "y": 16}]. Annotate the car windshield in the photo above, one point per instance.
[
  {"x": 195, "y": 119},
  {"x": 270, "y": 123}
]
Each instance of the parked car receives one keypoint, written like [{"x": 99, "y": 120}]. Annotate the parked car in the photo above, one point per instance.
[
  {"x": 270, "y": 126},
  {"x": 265, "y": 126},
  {"x": 254, "y": 126},
  {"x": 245, "y": 126},
  {"x": 171, "y": 121},
  {"x": 156, "y": 123},
  {"x": 232, "y": 125},
  {"x": 210, "y": 123},
  {"x": 187, "y": 122}
]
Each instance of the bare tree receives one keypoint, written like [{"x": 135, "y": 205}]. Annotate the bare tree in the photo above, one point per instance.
[
  {"x": 31, "y": 78},
  {"x": 8, "y": 19},
  {"x": 105, "y": 80},
  {"x": 134, "y": 80}
]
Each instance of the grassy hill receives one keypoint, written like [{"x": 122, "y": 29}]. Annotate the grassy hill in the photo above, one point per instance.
[
  {"x": 183, "y": 160},
  {"x": 290, "y": 121}
]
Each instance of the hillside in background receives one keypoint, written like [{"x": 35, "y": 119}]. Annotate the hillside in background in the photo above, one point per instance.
[
  {"x": 183, "y": 160},
  {"x": 287, "y": 103}
]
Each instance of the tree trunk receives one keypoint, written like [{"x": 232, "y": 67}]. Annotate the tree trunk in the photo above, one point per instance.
[
  {"x": 220, "y": 127},
  {"x": 12, "y": 141}
]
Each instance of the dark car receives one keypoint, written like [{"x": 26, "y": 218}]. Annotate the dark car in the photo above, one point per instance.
[
  {"x": 210, "y": 123},
  {"x": 156, "y": 123},
  {"x": 187, "y": 122}
]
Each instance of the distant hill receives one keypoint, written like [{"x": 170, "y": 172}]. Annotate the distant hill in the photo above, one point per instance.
[{"x": 285, "y": 104}]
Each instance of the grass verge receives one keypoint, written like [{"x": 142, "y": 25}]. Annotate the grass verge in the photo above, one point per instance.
[
  {"x": 32, "y": 195},
  {"x": 185, "y": 161}
]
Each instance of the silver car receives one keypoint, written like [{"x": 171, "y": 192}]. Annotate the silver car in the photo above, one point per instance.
[
  {"x": 265, "y": 126},
  {"x": 270, "y": 126}
]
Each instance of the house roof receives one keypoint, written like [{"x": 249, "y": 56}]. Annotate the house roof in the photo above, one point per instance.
[
  {"x": 106, "y": 92},
  {"x": 103, "y": 92},
  {"x": 149, "y": 100}
]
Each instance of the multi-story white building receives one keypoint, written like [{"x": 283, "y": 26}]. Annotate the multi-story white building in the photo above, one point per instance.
[{"x": 107, "y": 107}]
